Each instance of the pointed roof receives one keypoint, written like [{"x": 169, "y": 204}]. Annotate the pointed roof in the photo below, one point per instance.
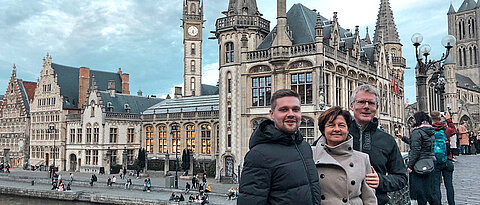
[
  {"x": 243, "y": 7},
  {"x": 185, "y": 104},
  {"x": 451, "y": 9},
  {"x": 386, "y": 24},
  {"x": 467, "y": 5},
  {"x": 367, "y": 38}
]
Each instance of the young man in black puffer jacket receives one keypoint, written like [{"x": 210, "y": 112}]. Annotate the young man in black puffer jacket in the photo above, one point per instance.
[{"x": 279, "y": 167}]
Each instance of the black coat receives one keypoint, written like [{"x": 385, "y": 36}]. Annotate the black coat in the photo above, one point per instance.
[
  {"x": 385, "y": 157},
  {"x": 421, "y": 146},
  {"x": 278, "y": 169}
]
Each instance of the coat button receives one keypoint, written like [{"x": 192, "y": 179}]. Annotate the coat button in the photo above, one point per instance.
[
  {"x": 322, "y": 197},
  {"x": 344, "y": 200},
  {"x": 349, "y": 148},
  {"x": 322, "y": 176},
  {"x": 351, "y": 164},
  {"x": 353, "y": 182}
]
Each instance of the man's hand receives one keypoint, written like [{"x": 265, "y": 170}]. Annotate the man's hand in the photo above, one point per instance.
[
  {"x": 446, "y": 115},
  {"x": 409, "y": 170},
  {"x": 372, "y": 179},
  {"x": 399, "y": 136}
]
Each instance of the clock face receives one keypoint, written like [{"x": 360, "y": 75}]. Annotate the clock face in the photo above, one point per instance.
[{"x": 192, "y": 31}]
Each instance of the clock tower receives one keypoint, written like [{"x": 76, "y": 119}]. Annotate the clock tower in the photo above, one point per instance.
[{"x": 192, "y": 44}]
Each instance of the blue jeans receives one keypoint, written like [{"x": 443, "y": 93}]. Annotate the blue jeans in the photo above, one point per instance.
[
  {"x": 465, "y": 149},
  {"x": 445, "y": 170}
]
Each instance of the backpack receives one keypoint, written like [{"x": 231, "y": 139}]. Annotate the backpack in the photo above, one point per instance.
[{"x": 440, "y": 147}]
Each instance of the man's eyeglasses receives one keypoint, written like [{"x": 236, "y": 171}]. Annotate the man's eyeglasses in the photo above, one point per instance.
[{"x": 365, "y": 102}]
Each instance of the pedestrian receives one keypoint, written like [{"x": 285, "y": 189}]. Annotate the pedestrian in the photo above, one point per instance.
[
  {"x": 464, "y": 141},
  {"x": 114, "y": 180},
  {"x": 204, "y": 178},
  {"x": 172, "y": 197},
  {"x": 421, "y": 160},
  {"x": 128, "y": 183},
  {"x": 385, "y": 157},
  {"x": 8, "y": 168},
  {"x": 477, "y": 144},
  {"x": 187, "y": 187},
  {"x": 340, "y": 166},
  {"x": 279, "y": 167},
  {"x": 443, "y": 165},
  {"x": 194, "y": 179},
  {"x": 93, "y": 179},
  {"x": 181, "y": 198},
  {"x": 124, "y": 173},
  {"x": 230, "y": 194},
  {"x": 70, "y": 182},
  {"x": 109, "y": 181},
  {"x": 472, "y": 142}
]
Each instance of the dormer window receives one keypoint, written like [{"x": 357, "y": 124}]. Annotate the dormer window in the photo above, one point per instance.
[
  {"x": 127, "y": 108},
  {"x": 109, "y": 107}
]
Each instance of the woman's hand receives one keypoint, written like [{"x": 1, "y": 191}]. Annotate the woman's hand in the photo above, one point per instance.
[
  {"x": 409, "y": 170},
  {"x": 372, "y": 179}
]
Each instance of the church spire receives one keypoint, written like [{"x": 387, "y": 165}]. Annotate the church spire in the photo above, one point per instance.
[
  {"x": 367, "y": 37},
  {"x": 386, "y": 24},
  {"x": 242, "y": 7}
]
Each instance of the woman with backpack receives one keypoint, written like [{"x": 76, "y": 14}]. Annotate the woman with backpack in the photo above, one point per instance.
[{"x": 421, "y": 160}]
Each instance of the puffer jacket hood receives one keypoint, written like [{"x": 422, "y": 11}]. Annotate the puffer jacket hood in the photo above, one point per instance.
[
  {"x": 438, "y": 126},
  {"x": 428, "y": 129},
  {"x": 267, "y": 133}
]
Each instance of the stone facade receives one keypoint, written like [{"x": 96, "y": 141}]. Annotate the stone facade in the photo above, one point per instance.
[
  {"x": 323, "y": 67},
  {"x": 15, "y": 122}
]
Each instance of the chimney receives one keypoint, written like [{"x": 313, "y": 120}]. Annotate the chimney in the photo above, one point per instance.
[
  {"x": 83, "y": 85},
  {"x": 111, "y": 87},
  {"x": 139, "y": 93},
  {"x": 178, "y": 92},
  {"x": 125, "y": 82},
  {"x": 281, "y": 39}
]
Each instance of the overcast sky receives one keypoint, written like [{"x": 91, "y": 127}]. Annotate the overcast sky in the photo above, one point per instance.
[{"x": 144, "y": 38}]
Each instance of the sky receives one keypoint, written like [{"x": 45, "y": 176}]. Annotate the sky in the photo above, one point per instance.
[{"x": 144, "y": 38}]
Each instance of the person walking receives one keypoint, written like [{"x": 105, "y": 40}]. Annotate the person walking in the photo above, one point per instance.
[
  {"x": 444, "y": 165},
  {"x": 385, "y": 157},
  {"x": 279, "y": 167},
  {"x": 472, "y": 137},
  {"x": 477, "y": 144},
  {"x": 193, "y": 182},
  {"x": 187, "y": 187},
  {"x": 342, "y": 170},
  {"x": 421, "y": 159},
  {"x": 464, "y": 141}
]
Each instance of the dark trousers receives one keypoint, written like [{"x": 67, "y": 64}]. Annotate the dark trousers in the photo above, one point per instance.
[
  {"x": 421, "y": 188},
  {"x": 477, "y": 144},
  {"x": 444, "y": 170},
  {"x": 465, "y": 149}
]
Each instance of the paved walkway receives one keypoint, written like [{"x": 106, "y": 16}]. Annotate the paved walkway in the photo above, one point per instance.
[
  {"x": 466, "y": 177},
  {"x": 22, "y": 179}
]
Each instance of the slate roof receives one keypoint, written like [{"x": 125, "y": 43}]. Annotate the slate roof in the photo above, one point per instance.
[
  {"x": 467, "y": 5},
  {"x": 69, "y": 85},
  {"x": 185, "y": 104},
  {"x": 30, "y": 89},
  {"x": 466, "y": 82},
  {"x": 137, "y": 104},
  {"x": 209, "y": 90},
  {"x": 451, "y": 9}
]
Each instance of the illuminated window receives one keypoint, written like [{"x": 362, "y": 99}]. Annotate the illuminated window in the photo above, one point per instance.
[
  {"x": 149, "y": 138},
  {"x": 176, "y": 138},
  {"x": 162, "y": 139},
  {"x": 190, "y": 134},
  {"x": 206, "y": 139}
]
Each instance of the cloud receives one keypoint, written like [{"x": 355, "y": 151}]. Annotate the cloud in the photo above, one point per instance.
[{"x": 210, "y": 74}]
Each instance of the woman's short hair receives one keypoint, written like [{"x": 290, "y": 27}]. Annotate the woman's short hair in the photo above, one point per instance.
[
  {"x": 330, "y": 115},
  {"x": 420, "y": 117}
]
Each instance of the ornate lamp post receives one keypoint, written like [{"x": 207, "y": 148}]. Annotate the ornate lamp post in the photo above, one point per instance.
[
  {"x": 174, "y": 134},
  {"x": 50, "y": 130},
  {"x": 422, "y": 68}
]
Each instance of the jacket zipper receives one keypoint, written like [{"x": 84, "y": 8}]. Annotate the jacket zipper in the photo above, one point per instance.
[{"x": 306, "y": 170}]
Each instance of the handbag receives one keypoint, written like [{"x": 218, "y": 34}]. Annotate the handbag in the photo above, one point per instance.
[{"x": 424, "y": 166}]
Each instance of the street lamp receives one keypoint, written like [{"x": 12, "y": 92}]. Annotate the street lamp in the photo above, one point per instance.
[
  {"x": 422, "y": 68},
  {"x": 174, "y": 133},
  {"x": 50, "y": 130}
]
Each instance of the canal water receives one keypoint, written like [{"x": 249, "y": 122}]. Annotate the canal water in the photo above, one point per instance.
[{"x": 17, "y": 200}]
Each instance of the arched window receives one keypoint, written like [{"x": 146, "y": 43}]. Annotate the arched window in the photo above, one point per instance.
[
  {"x": 460, "y": 57},
  {"x": 229, "y": 57},
  {"x": 471, "y": 55},
  {"x": 307, "y": 128},
  {"x": 190, "y": 134},
  {"x": 193, "y": 9},
  {"x": 192, "y": 83},
  {"x": 206, "y": 138},
  {"x": 176, "y": 138},
  {"x": 192, "y": 51},
  {"x": 162, "y": 139},
  {"x": 464, "y": 56},
  {"x": 149, "y": 138},
  {"x": 192, "y": 66}
]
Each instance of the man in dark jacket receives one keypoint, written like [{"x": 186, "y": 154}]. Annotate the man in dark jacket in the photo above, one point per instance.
[
  {"x": 279, "y": 167},
  {"x": 390, "y": 171}
]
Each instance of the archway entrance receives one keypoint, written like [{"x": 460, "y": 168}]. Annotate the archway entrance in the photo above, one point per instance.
[{"x": 73, "y": 162}]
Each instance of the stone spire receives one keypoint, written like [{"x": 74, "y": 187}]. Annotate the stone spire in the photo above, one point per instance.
[
  {"x": 452, "y": 10},
  {"x": 386, "y": 24},
  {"x": 14, "y": 72},
  {"x": 367, "y": 37},
  {"x": 242, "y": 7}
]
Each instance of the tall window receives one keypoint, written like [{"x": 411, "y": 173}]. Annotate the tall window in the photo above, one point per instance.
[
  {"x": 176, "y": 138},
  {"x": 327, "y": 88},
  {"x": 229, "y": 140},
  {"x": 89, "y": 134},
  {"x": 307, "y": 128},
  {"x": 190, "y": 131},
  {"x": 350, "y": 85},
  {"x": 149, "y": 139},
  {"x": 192, "y": 51},
  {"x": 72, "y": 136},
  {"x": 162, "y": 137},
  {"x": 79, "y": 135},
  {"x": 130, "y": 135},
  {"x": 96, "y": 133},
  {"x": 338, "y": 90},
  {"x": 88, "y": 156},
  {"x": 130, "y": 156},
  {"x": 229, "y": 57},
  {"x": 206, "y": 139},
  {"x": 113, "y": 135},
  {"x": 192, "y": 66},
  {"x": 229, "y": 85},
  {"x": 261, "y": 91},
  {"x": 95, "y": 157},
  {"x": 114, "y": 157},
  {"x": 192, "y": 84},
  {"x": 302, "y": 84}
]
